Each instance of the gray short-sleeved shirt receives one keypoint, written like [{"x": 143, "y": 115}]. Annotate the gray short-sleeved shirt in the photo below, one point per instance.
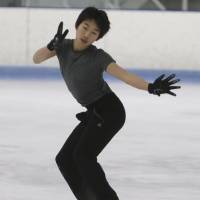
[{"x": 83, "y": 71}]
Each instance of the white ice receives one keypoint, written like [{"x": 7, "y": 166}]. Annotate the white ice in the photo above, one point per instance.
[{"x": 156, "y": 156}]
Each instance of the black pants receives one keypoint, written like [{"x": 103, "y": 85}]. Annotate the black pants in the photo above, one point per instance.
[{"x": 77, "y": 159}]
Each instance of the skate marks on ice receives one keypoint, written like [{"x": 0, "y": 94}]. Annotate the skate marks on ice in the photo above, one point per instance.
[{"x": 155, "y": 156}]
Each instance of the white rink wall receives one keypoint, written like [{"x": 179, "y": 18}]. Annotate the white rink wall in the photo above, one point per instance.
[{"x": 137, "y": 39}]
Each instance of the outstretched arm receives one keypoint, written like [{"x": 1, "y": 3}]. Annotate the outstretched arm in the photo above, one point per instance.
[
  {"x": 160, "y": 86},
  {"x": 129, "y": 78}
]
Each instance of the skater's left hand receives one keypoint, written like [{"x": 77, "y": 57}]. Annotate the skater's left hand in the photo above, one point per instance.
[{"x": 163, "y": 85}]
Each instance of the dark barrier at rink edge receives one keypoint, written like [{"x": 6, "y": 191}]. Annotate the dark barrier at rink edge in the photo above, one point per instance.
[{"x": 52, "y": 73}]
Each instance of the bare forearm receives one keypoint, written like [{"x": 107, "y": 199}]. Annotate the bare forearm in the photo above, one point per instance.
[
  {"x": 137, "y": 82},
  {"x": 129, "y": 78},
  {"x": 42, "y": 54}
]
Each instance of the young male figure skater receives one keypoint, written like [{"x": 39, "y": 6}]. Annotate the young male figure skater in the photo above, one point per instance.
[{"x": 82, "y": 66}]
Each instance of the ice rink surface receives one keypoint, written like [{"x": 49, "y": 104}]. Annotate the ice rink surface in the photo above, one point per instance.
[{"x": 155, "y": 156}]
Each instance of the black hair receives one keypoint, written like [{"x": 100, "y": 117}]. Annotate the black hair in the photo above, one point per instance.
[{"x": 99, "y": 16}]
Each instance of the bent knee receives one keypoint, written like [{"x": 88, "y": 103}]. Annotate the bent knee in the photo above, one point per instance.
[
  {"x": 58, "y": 159},
  {"x": 80, "y": 156},
  {"x": 62, "y": 159}
]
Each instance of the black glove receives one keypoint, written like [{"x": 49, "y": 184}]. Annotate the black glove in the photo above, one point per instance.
[
  {"x": 58, "y": 38},
  {"x": 161, "y": 86}
]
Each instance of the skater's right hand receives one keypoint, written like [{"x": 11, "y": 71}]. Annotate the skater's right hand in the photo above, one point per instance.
[{"x": 58, "y": 38}]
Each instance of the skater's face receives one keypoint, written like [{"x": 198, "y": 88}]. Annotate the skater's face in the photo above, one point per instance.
[{"x": 86, "y": 33}]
